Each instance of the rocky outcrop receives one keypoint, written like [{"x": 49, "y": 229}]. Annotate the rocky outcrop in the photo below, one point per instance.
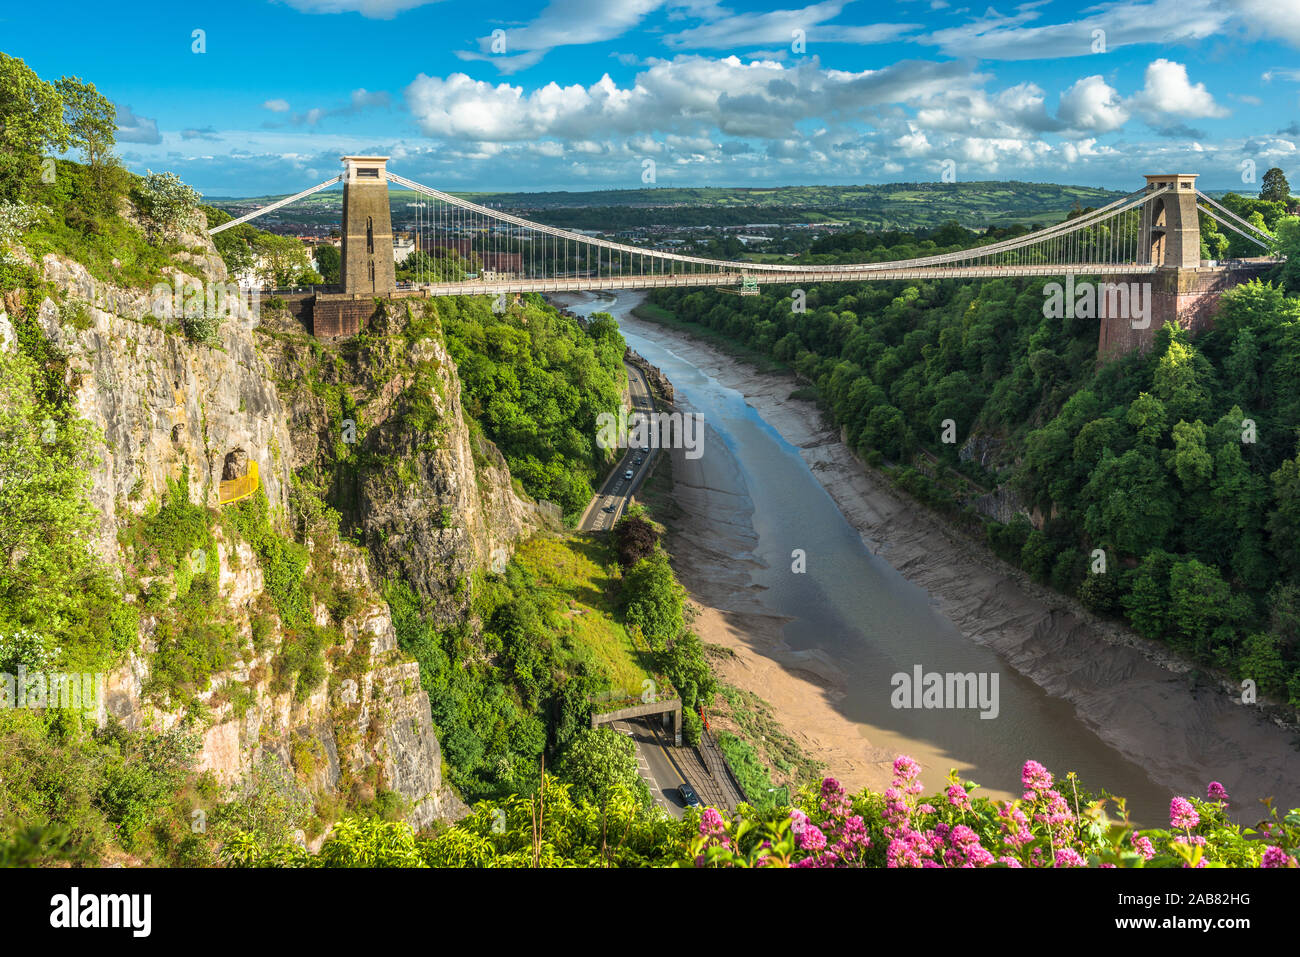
[
  {"x": 431, "y": 499},
  {"x": 166, "y": 406}
]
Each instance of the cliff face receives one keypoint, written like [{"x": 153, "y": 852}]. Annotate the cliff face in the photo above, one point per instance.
[
  {"x": 380, "y": 419},
  {"x": 432, "y": 502}
]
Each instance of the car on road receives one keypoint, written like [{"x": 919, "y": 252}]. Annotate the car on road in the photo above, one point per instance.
[
  {"x": 688, "y": 795},
  {"x": 627, "y": 474},
  {"x": 608, "y": 508}
]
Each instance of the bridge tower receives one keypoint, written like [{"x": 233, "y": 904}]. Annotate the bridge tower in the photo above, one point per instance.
[
  {"x": 1171, "y": 224},
  {"x": 367, "y": 256},
  {"x": 1183, "y": 290}
]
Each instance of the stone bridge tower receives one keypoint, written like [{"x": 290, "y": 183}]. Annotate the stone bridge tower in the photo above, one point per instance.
[
  {"x": 367, "y": 255},
  {"x": 1183, "y": 289},
  {"x": 1171, "y": 225}
]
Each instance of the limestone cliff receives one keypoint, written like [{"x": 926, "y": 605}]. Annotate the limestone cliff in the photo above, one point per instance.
[{"x": 431, "y": 500}]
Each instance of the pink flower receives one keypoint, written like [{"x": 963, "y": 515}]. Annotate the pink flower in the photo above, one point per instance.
[
  {"x": 1142, "y": 845},
  {"x": 1182, "y": 814},
  {"x": 1069, "y": 857},
  {"x": 1217, "y": 792},
  {"x": 1035, "y": 777},
  {"x": 907, "y": 775},
  {"x": 905, "y": 768},
  {"x": 958, "y": 797},
  {"x": 925, "y": 808},
  {"x": 711, "y": 823},
  {"x": 1274, "y": 856},
  {"x": 811, "y": 838},
  {"x": 834, "y": 801}
]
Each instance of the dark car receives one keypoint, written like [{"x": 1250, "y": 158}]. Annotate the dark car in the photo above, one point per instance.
[
  {"x": 688, "y": 795},
  {"x": 608, "y": 508}
]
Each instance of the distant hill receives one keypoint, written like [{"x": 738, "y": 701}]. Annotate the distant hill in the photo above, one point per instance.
[{"x": 884, "y": 206}]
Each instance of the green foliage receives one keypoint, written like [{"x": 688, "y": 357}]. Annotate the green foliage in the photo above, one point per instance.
[
  {"x": 653, "y": 600},
  {"x": 90, "y": 117},
  {"x": 95, "y": 790},
  {"x": 536, "y": 382},
  {"x": 753, "y": 777},
  {"x": 1274, "y": 187},
  {"x": 51, "y": 581},
  {"x": 598, "y": 761}
]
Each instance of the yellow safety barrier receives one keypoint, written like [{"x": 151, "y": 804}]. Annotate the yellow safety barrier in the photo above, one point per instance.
[{"x": 232, "y": 490}]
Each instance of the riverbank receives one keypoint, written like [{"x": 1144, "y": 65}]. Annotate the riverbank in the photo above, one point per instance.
[{"x": 1134, "y": 694}]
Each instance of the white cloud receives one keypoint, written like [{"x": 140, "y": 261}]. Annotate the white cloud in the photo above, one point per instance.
[
  {"x": 778, "y": 27},
  {"x": 689, "y": 94},
  {"x": 1169, "y": 93},
  {"x": 1122, "y": 22},
  {"x": 135, "y": 129},
  {"x": 1092, "y": 104},
  {"x": 361, "y": 99},
  {"x": 276, "y": 106},
  {"x": 1271, "y": 19},
  {"x": 561, "y": 23}
]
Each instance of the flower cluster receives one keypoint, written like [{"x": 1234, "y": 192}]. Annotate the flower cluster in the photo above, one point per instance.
[{"x": 1050, "y": 825}]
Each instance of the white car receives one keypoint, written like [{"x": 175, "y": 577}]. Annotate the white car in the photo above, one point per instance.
[{"x": 627, "y": 474}]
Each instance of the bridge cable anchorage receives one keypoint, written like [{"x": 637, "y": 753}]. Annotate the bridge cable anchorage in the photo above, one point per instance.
[{"x": 276, "y": 205}]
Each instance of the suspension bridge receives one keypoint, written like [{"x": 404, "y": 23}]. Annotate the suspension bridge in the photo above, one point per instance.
[{"x": 1151, "y": 235}]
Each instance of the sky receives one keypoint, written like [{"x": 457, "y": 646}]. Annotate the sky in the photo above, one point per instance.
[{"x": 257, "y": 97}]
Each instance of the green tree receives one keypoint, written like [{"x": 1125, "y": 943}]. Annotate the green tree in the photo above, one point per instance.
[
  {"x": 653, "y": 600},
  {"x": 1274, "y": 187},
  {"x": 597, "y": 761},
  {"x": 329, "y": 263},
  {"x": 90, "y": 117},
  {"x": 31, "y": 110}
]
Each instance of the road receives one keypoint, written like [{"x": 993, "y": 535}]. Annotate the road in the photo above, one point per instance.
[
  {"x": 613, "y": 498},
  {"x": 656, "y": 765}
]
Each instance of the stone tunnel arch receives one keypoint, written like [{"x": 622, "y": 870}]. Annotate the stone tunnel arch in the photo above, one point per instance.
[{"x": 235, "y": 466}]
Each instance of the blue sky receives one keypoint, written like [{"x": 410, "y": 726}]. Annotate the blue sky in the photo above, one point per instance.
[{"x": 578, "y": 94}]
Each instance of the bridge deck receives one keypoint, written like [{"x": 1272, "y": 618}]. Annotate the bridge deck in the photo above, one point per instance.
[{"x": 479, "y": 287}]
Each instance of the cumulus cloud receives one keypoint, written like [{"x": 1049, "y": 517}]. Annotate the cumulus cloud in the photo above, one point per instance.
[
  {"x": 1092, "y": 104},
  {"x": 276, "y": 106},
  {"x": 761, "y": 98},
  {"x": 135, "y": 129},
  {"x": 1169, "y": 92}
]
